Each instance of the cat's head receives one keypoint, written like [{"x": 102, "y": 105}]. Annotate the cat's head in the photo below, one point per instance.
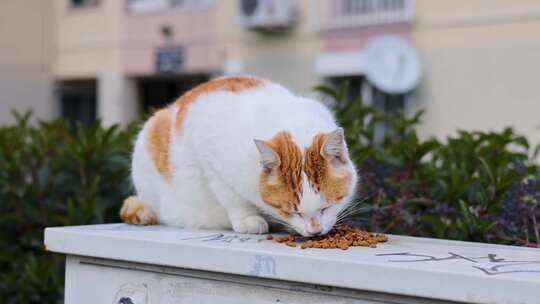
[{"x": 306, "y": 189}]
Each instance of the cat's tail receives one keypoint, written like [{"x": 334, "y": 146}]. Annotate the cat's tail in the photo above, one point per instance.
[{"x": 135, "y": 211}]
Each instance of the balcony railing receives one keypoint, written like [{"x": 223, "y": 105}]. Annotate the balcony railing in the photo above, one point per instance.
[{"x": 334, "y": 14}]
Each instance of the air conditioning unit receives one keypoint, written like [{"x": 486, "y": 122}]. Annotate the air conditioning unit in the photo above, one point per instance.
[{"x": 266, "y": 14}]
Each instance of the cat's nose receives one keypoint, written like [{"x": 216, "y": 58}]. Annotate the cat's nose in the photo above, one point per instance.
[{"x": 313, "y": 226}]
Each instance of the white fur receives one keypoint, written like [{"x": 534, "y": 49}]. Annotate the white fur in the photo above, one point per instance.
[{"x": 216, "y": 164}]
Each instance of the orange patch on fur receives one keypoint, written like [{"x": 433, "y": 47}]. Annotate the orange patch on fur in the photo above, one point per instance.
[
  {"x": 158, "y": 141},
  {"x": 333, "y": 186},
  {"x": 232, "y": 84},
  {"x": 283, "y": 190},
  {"x": 134, "y": 211}
]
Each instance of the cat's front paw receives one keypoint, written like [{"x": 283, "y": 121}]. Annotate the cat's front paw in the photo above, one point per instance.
[{"x": 254, "y": 224}]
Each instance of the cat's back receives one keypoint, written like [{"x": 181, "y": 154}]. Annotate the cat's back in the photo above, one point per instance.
[
  {"x": 233, "y": 109},
  {"x": 211, "y": 129},
  {"x": 248, "y": 107}
]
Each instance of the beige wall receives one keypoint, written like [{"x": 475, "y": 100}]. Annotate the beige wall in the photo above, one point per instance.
[
  {"x": 88, "y": 39},
  {"x": 88, "y": 45},
  {"x": 481, "y": 61},
  {"x": 192, "y": 28},
  {"x": 104, "y": 42},
  {"x": 480, "y": 58},
  {"x": 25, "y": 53},
  {"x": 287, "y": 58}
]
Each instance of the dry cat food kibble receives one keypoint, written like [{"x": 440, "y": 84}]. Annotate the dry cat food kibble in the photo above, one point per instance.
[{"x": 341, "y": 237}]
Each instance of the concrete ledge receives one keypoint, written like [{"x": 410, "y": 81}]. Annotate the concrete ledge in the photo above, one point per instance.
[{"x": 408, "y": 266}]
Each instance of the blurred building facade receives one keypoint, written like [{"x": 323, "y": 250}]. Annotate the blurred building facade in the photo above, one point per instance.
[
  {"x": 480, "y": 61},
  {"x": 88, "y": 59},
  {"x": 26, "y": 79}
]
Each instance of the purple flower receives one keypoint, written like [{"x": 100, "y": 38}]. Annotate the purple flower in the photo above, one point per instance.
[{"x": 520, "y": 212}]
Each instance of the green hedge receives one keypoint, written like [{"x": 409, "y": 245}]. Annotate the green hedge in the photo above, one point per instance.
[
  {"x": 50, "y": 177},
  {"x": 475, "y": 186}
]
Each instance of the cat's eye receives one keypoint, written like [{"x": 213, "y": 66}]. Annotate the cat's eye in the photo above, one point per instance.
[{"x": 323, "y": 209}]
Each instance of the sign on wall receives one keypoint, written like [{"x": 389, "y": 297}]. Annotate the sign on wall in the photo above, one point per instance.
[{"x": 170, "y": 59}]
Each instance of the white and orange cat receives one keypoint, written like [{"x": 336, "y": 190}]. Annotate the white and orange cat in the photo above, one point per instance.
[{"x": 237, "y": 151}]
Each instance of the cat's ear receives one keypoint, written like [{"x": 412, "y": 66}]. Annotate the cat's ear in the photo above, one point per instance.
[
  {"x": 334, "y": 147},
  {"x": 268, "y": 157}
]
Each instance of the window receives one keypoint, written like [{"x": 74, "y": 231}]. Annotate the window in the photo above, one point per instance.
[
  {"x": 384, "y": 103},
  {"x": 152, "y": 5},
  {"x": 83, "y": 3},
  {"x": 191, "y": 3},
  {"x": 332, "y": 14},
  {"x": 146, "y": 5},
  {"x": 366, "y": 7},
  {"x": 78, "y": 102},
  {"x": 358, "y": 89},
  {"x": 392, "y": 5},
  {"x": 387, "y": 103},
  {"x": 156, "y": 92}
]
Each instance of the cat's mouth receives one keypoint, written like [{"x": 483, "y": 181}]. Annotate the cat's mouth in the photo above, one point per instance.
[
  {"x": 300, "y": 235},
  {"x": 280, "y": 225}
]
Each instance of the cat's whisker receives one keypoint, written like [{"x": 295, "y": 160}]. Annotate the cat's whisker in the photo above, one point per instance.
[
  {"x": 356, "y": 210},
  {"x": 352, "y": 212},
  {"x": 346, "y": 211},
  {"x": 351, "y": 206},
  {"x": 356, "y": 203},
  {"x": 348, "y": 217},
  {"x": 352, "y": 216}
]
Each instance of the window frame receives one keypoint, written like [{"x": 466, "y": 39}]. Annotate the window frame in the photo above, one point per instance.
[
  {"x": 85, "y": 4},
  {"x": 168, "y": 5}
]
